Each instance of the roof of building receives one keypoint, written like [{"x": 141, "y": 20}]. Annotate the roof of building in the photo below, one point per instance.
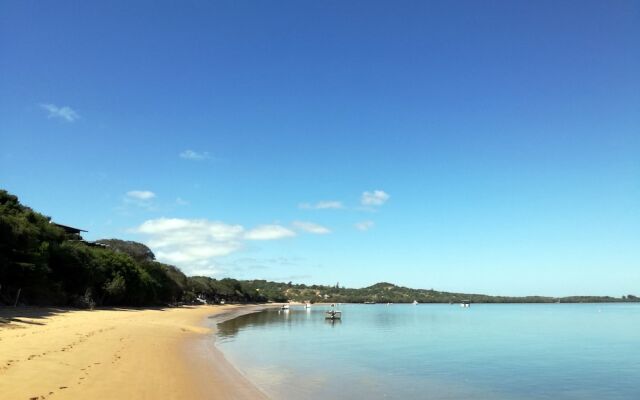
[{"x": 69, "y": 229}]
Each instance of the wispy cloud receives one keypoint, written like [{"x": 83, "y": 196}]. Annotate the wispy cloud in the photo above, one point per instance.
[
  {"x": 374, "y": 198},
  {"x": 138, "y": 198},
  {"x": 181, "y": 202},
  {"x": 269, "y": 232},
  {"x": 141, "y": 194},
  {"x": 248, "y": 266},
  {"x": 194, "y": 155},
  {"x": 364, "y": 225},
  {"x": 311, "y": 227},
  {"x": 196, "y": 244},
  {"x": 286, "y": 278},
  {"x": 322, "y": 205},
  {"x": 65, "y": 113}
]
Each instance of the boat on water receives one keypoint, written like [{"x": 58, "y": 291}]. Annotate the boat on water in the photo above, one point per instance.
[
  {"x": 415, "y": 302},
  {"x": 307, "y": 306},
  {"x": 333, "y": 314},
  {"x": 285, "y": 307},
  {"x": 465, "y": 303}
]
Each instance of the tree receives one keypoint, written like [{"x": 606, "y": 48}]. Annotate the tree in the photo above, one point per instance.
[
  {"x": 135, "y": 250},
  {"x": 116, "y": 288}
]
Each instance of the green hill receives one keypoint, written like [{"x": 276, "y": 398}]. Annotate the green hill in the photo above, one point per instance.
[{"x": 385, "y": 292}]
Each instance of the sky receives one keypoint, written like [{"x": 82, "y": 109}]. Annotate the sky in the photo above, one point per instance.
[{"x": 486, "y": 147}]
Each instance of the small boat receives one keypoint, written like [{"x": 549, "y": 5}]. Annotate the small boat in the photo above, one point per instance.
[
  {"x": 285, "y": 307},
  {"x": 465, "y": 303},
  {"x": 307, "y": 305},
  {"x": 415, "y": 302},
  {"x": 333, "y": 314}
]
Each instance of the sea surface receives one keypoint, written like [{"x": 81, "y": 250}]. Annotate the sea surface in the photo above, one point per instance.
[{"x": 440, "y": 351}]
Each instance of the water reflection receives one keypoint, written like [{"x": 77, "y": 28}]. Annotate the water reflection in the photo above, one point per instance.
[
  {"x": 231, "y": 328},
  {"x": 292, "y": 317},
  {"x": 333, "y": 322}
]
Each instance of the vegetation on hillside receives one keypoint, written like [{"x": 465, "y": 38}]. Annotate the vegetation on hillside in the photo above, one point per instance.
[
  {"x": 41, "y": 264},
  {"x": 384, "y": 292}
]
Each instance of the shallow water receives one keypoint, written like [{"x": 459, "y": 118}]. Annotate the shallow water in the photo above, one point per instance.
[{"x": 501, "y": 351}]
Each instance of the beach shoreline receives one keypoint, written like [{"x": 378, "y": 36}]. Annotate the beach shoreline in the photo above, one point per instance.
[
  {"x": 56, "y": 353},
  {"x": 214, "y": 371}
]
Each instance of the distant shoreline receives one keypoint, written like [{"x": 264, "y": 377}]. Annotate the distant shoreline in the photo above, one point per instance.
[{"x": 476, "y": 302}]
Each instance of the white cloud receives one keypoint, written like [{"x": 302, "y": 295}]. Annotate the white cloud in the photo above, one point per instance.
[
  {"x": 322, "y": 205},
  {"x": 181, "y": 202},
  {"x": 141, "y": 194},
  {"x": 192, "y": 244},
  {"x": 194, "y": 155},
  {"x": 375, "y": 198},
  {"x": 139, "y": 198},
  {"x": 364, "y": 225},
  {"x": 310, "y": 227},
  {"x": 66, "y": 113},
  {"x": 195, "y": 245},
  {"x": 177, "y": 226},
  {"x": 269, "y": 232}
]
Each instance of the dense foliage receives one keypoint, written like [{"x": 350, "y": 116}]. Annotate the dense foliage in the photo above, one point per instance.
[
  {"x": 135, "y": 250},
  {"x": 48, "y": 266}
]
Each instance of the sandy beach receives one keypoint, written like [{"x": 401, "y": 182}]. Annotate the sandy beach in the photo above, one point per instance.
[{"x": 48, "y": 353}]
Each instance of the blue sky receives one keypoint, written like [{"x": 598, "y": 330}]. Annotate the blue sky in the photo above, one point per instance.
[{"x": 470, "y": 146}]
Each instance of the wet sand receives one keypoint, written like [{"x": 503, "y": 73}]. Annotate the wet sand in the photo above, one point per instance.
[{"x": 48, "y": 353}]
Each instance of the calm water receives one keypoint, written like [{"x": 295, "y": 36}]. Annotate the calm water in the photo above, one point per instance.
[{"x": 555, "y": 351}]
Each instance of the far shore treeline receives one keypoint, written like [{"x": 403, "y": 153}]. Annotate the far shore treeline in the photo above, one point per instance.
[{"x": 42, "y": 264}]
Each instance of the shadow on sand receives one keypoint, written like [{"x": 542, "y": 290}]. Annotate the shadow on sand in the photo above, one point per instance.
[{"x": 37, "y": 315}]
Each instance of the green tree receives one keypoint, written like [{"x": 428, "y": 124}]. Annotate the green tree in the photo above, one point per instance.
[{"x": 116, "y": 288}]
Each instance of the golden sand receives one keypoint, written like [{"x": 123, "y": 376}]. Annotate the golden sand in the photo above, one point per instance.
[{"x": 115, "y": 354}]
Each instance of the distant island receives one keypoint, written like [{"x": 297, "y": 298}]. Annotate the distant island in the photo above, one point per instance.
[{"x": 43, "y": 263}]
